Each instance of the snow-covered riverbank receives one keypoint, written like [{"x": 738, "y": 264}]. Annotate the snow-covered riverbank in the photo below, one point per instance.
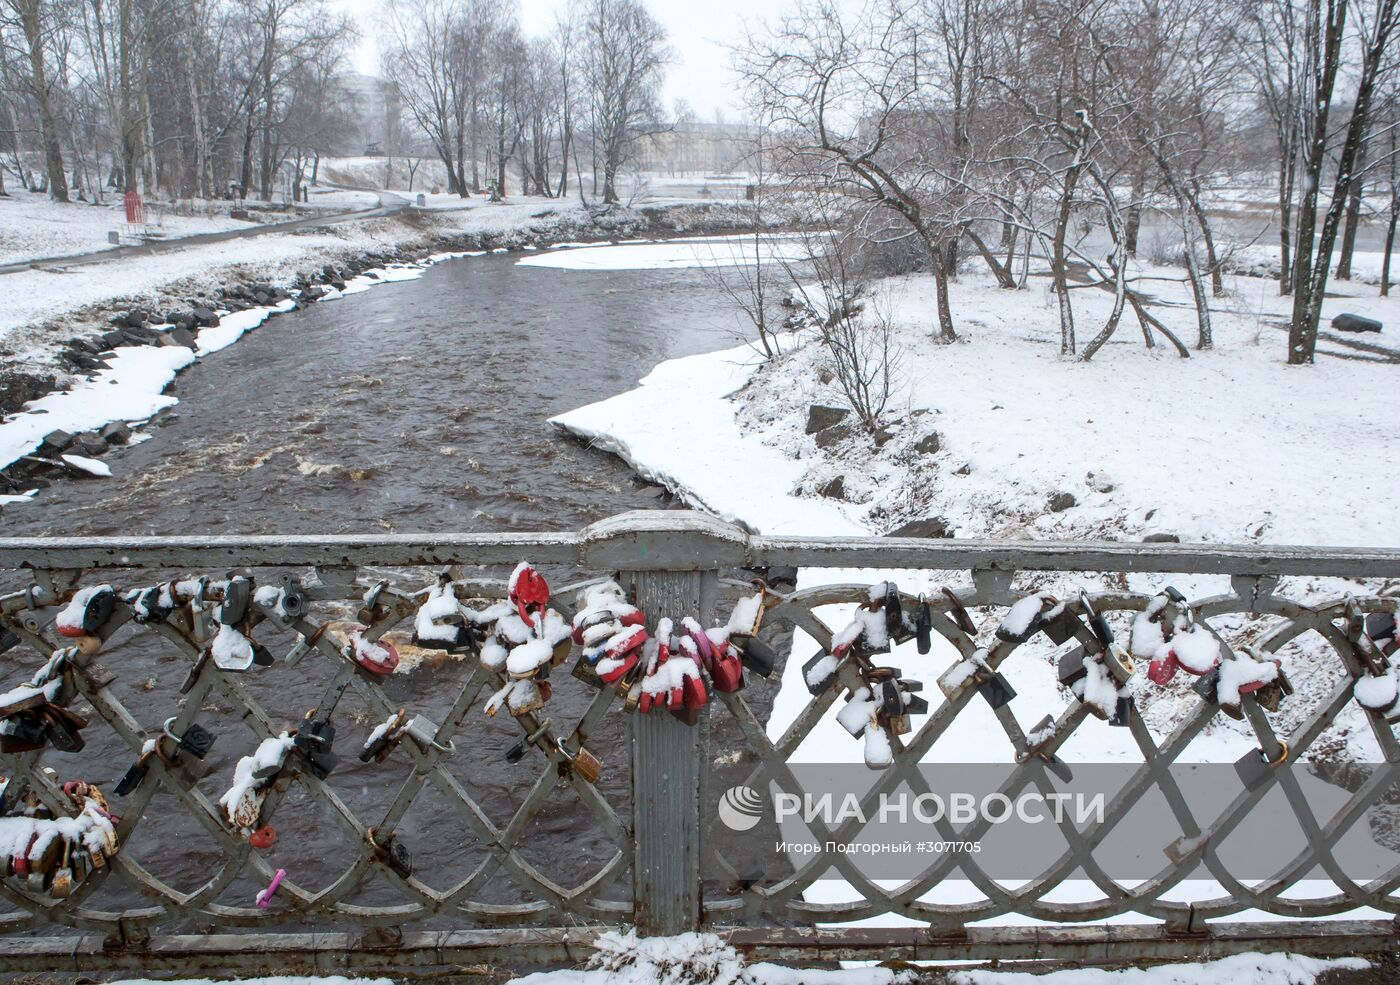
[{"x": 997, "y": 436}]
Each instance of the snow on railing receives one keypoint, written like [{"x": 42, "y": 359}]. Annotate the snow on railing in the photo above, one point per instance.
[{"x": 301, "y": 732}]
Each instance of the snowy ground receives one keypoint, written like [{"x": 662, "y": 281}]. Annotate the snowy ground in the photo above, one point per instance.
[
  {"x": 33, "y": 226},
  {"x": 1230, "y": 445}
]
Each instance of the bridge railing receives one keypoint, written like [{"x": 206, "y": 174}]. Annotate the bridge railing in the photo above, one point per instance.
[{"x": 475, "y": 823}]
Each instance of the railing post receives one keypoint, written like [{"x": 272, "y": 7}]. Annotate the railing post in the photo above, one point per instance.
[{"x": 666, "y": 766}]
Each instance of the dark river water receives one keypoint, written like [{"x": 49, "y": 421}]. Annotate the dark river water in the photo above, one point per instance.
[
  {"x": 420, "y": 405},
  {"x": 416, "y": 406}
]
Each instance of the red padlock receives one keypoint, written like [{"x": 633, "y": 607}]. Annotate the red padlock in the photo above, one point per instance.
[
  {"x": 621, "y": 656},
  {"x": 379, "y": 657},
  {"x": 263, "y": 838},
  {"x": 726, "y": 669},
  {"x": 528, "y": 590},
  {"x": 1162, "y": 670}
]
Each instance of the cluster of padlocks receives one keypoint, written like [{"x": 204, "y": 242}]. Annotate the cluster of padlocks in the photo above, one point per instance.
[
  {"x": 656, "y": 663},
  {"x": 1168, "y": 634}
]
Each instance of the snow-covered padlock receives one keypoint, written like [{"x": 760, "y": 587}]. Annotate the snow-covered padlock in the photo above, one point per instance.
[
  {"x": 527, "y": 590},
  {"x": 441, "y": 622},
  {"x": 1041, "y": 611},
  {"x": 252, "y": 777},
  {"x": 672, "y": 679},
  {"x": 859, "y": 717},
  {"x": 1248, "y": 673},
  {"x": 152, "y": 605},
  {"x": 87, "y": 612},
  {"x": 716, "y": 655},
  {"x": 231, "y": 649},
  {"x": 976, "y": 670},
  {"x": 745, "y": 621},
  {"x": 377, "y": 657},
  {"x": 1036, "y": 741},
  {"x": 384, "y": 738},
  {"x": 1168, "y": 635},
  {"x": 610, "y": 632}
]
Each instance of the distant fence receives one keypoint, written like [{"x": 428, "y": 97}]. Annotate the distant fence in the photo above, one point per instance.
[{"x": 419, "y": 860}]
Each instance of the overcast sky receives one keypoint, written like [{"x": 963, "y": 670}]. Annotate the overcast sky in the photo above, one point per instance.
[{"x": 699, "y": 32}]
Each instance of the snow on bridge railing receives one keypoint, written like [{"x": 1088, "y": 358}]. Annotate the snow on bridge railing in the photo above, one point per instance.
[{"x": 186, "y": 718}]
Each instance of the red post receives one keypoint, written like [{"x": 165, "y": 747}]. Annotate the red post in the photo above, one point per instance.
[{"x": 135, "y": 213}]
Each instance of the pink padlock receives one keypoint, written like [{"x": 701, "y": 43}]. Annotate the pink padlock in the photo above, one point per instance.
[{"x": 265, "y": 897}]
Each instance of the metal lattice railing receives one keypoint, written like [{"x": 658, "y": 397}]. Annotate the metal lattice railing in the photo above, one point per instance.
[{"x": 528, "y": 841}]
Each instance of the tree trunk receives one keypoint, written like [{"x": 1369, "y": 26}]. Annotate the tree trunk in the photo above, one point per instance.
[
  {"x": 1132, "y": 223},
  {"x": 1353, "y": 217},
  {"x": 29, "y": 17},
  {"x": 1389, "y": 245}
]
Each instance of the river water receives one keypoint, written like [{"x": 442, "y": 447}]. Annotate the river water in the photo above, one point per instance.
[{"x": 417, "y": 406}]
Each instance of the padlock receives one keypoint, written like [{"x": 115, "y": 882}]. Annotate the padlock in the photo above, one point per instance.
[
  {"x": 197, "y": 740},
  {"x": 517, "y": 752},
  {"x": 923, "y": 627},
  {"x": 894, "y": 611},
  {"x": 152, "y": 605},
  {"x": 313, "y": 740},
  {"x": 200, "y": 662},
  {"x": 1027, "y": 617},
  {"x": 1255, "y": 768},
  {"x": 820, "y": 671},
  {"x": 959, "y": 612},
  {"x": 304, "y": 645},
  {"x": 997, "y": 690},
  {"x": 63, "y": 728},
  {"x": 1122, "y": 713},
  {"x": 61, "y": 885},
  {"x": 88, "y": 612},
  {"x": 1271, "y": 695},
  {"x": 185, "y": 769},
  {"x": 384, "y": 738},
  {"x": 423, "y": 731},
  {"x": 136, "y": 772},
  {"x": 1207, "y": 684},
  {"x": 238, "y": 594},
  {"x": 371, "y": 611},
  {"x": 292, "y": 602},
  {"x": 586, "y": 765},
  {"x": 1070, "y": 668},
  {"x": 22, "y": 733},
  {"x": 758, "y": 657},
  {"x": 392, "y": 853}
]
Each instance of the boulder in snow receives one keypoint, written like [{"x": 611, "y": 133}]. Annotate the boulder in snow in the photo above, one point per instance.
[
  {"x": 820, "y": 418},
  {"x": 929, "y": 444},
  {"x": 934, "y": 526},
  {"x": 1061, "y": 501}
]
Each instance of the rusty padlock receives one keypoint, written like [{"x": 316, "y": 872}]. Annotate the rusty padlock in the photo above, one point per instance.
[{"x": 588, "y": 766}]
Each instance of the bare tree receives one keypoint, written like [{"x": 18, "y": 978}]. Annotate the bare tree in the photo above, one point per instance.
[
  {"x": 624, "y": 52},
  {"x": 37, "y": 23}
]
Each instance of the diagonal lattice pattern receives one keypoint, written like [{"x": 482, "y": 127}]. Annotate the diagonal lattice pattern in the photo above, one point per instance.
[{"x": 494, "y": 833}]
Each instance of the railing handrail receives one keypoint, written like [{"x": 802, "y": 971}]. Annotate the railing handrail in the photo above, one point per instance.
[{"x": 719, "y": 544}]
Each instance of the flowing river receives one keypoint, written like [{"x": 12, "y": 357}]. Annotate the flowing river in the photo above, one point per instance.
[{"x": 417, "y": 406}]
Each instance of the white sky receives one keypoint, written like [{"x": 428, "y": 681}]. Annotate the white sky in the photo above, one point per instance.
[{"x": 699, "y": 32}]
